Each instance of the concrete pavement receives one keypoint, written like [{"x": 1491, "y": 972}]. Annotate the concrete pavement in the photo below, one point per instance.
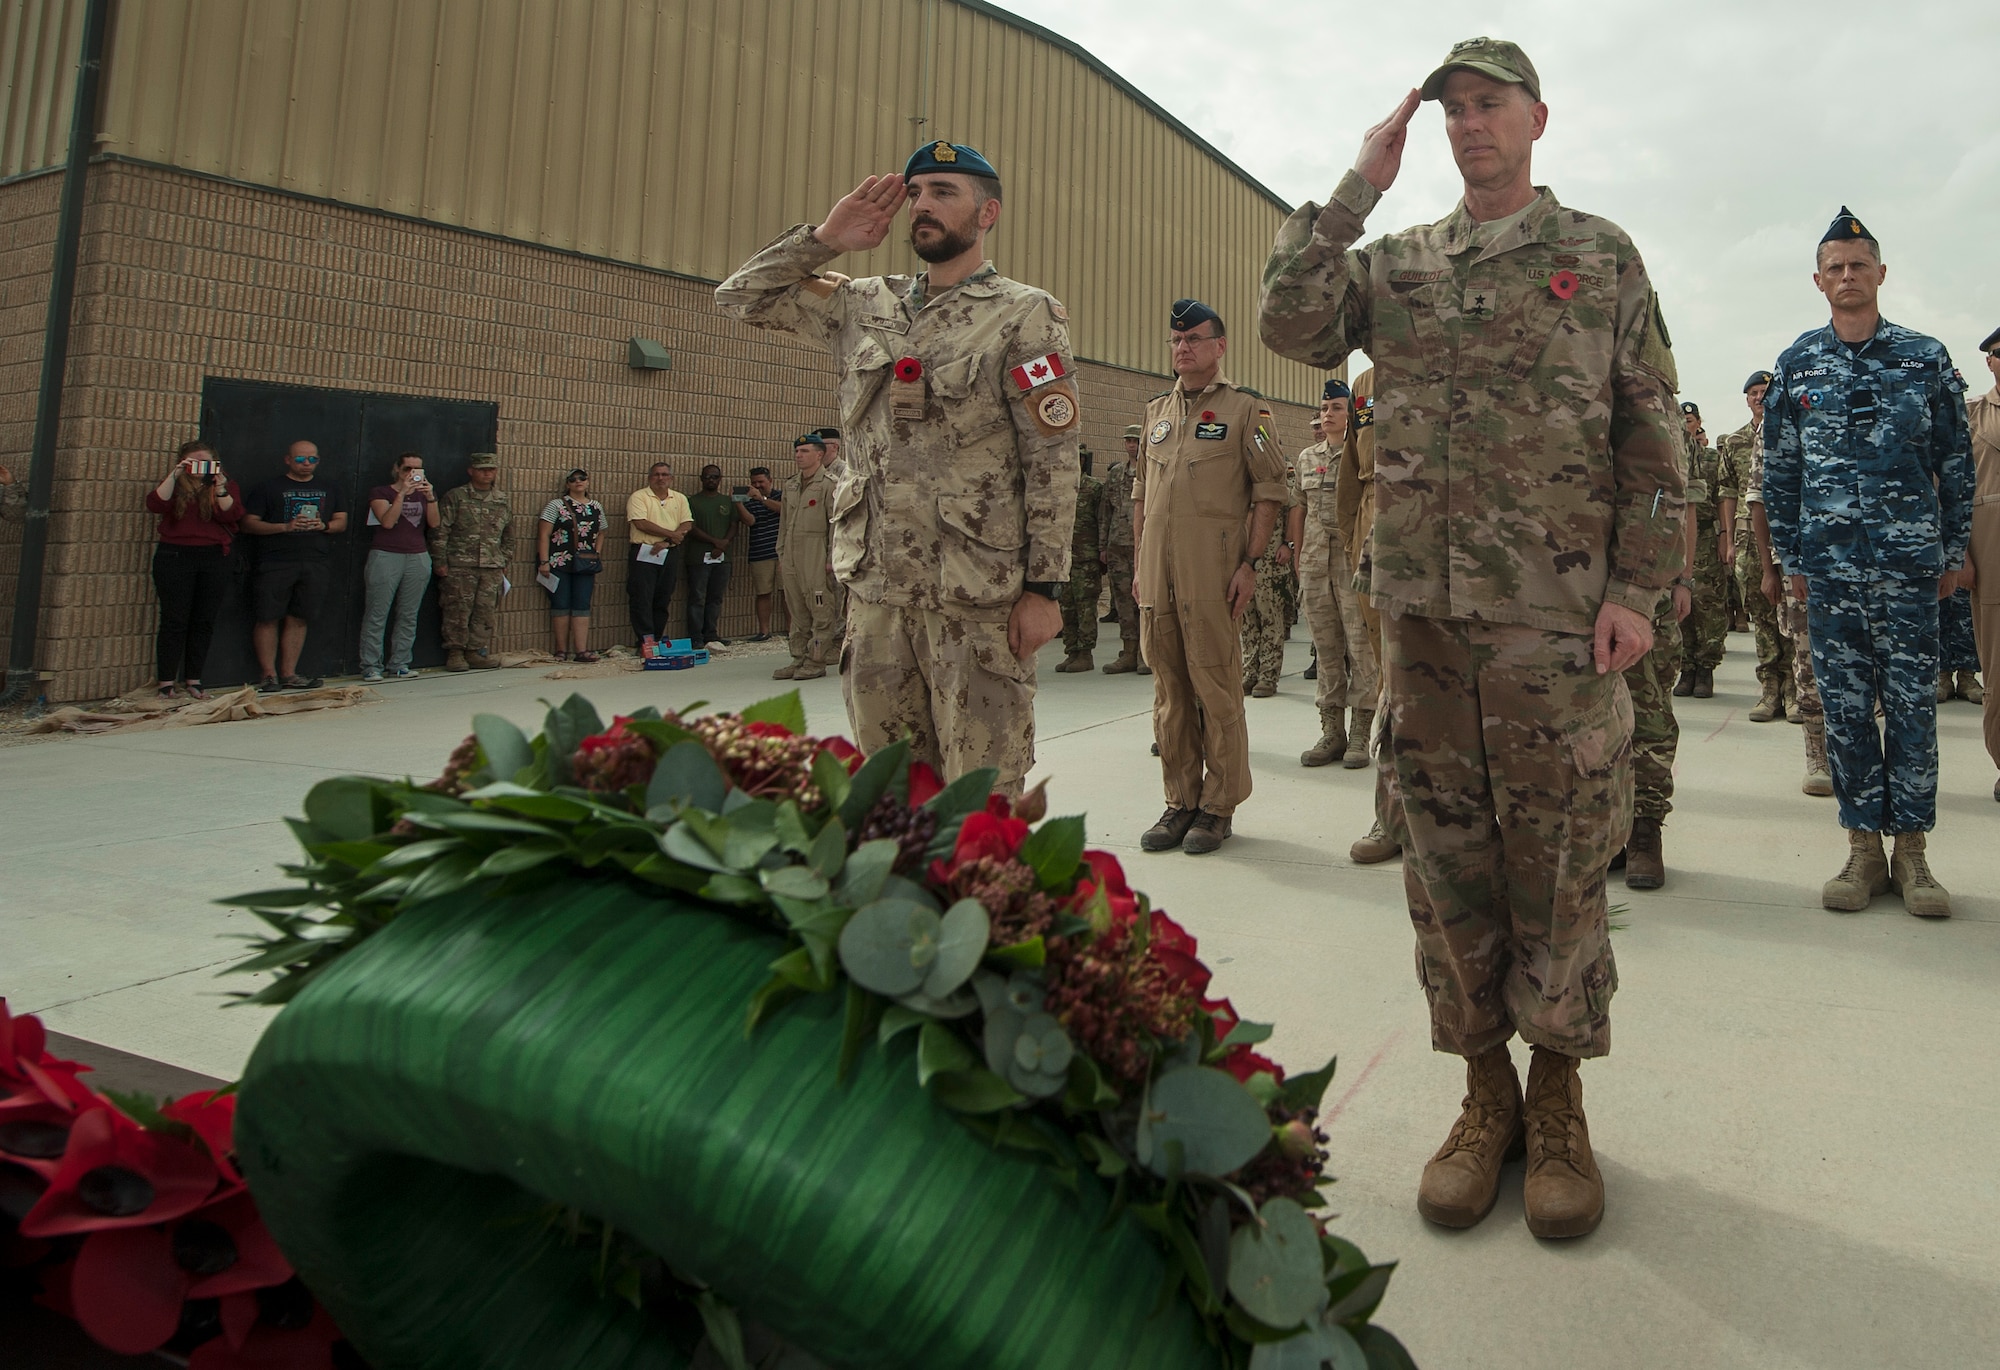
[{"x": 1796, "y": 1124}]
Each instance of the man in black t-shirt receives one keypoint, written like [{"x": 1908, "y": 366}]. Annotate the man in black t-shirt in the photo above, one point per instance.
[{"x": 295, "y": 516}]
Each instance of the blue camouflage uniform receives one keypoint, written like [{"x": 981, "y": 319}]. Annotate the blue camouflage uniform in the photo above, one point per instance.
[{"x": 1868, "y": 489}]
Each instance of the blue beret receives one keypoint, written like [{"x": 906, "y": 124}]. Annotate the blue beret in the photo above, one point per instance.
[
  {"x": 812, "y": 439},
  {"x": 1335, "y": 389},
  {"x": 1846, "y": 228},
  {"x": 1192, "y": 314},
  {"x": 948, "y": 157},
  {"x": 1757, "y": 378}
]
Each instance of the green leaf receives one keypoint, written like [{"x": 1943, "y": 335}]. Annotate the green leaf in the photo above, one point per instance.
[
  {"x": 449, "y": 872},
  {"x": 479, "y": 821},
  {"x": 1053, "y": 851},
  {"x": 1101, "y": 1155},
  {"x": 1311, "y": 1350},
  {"x": 745, "y": 842},
  {"x": 1306, "y": 1091},
  {"x": 888, "y": 946},
  {"x": 794, "y": 882},
  {"x": 347, "y": 808},
  {"x": 1087, "y": 1089},
  {"x": 829, "y": 849},
  {"x": 563, "y": 728},
  {"x": 787, "y": 710},
  {"x": 687, "y": 774},
  {"x": 514, "y": 860},
  {"x": 290, "y": 897},
  {"x": 777, "y": 992},
  {"x": 660, "y": 869},
  {"x": 725, "y": 1331},
  {"x": 974, "y": 1091},
  {"x": 1214, "y": 1119},
  {"x": 1028, "y": 955},
  {"x": 965, "y": 795},
  {"x": 680, "y": 843},
  {"x": 505, "y": 747},
  {"x": 1188, "y": 1252},
  {"x": 557, "y": 808},
  {"x": 831, "y": 779},
  {"x": 864, "y": 1012},
  {"x": 1382, "y": 1349},
  {"x": 1360, "y": 1302},
  {"x": 790, "y": 826},
  {"x": 662, "y": 733},
  {"x": 733, "y": 889},
  {"x": 797, "y": 967},
  {"x": 939, "y": 1049},
  {"x": 963, "y": 933},
  {"x": 874, "y": 780},
  {"x": 1274, "y": 1268},
  {"x": 1246, "y": 1033},
  {"x": 897, "y": 1020},
  {"x": 144, "y": 1110},
  {"x": 866, "y": 870}
]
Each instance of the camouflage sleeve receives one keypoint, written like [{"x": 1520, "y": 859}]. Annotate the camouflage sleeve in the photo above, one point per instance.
[
  {"x": 1267, "y": 462},
  {"x": 1646, "y": 539},
  {"x": 1784, "y": 471},
  {"x": 1951, "y": 457},
  {"x": 1047, "y": 423},
  {"x": 1729, "y": 471},
  {"x": 1315, "y": 306},
  {"x": 447, "y": 516},
  {"x": 780, "y": 289}
]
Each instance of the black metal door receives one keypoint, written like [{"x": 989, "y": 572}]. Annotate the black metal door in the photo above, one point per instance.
[{"x": 358, "y": 434}]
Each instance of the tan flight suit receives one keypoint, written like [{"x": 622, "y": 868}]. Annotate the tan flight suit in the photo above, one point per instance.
[
  {"x": 959, "y": 425},
  {"x": 810, "y": 602},
  {"x": 1207, "y": 458},
  {"x": 1984, "y": 413}
]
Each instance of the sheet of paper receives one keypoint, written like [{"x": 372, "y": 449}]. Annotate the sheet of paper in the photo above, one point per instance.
[
  {"x": 547, "y": 580},
  {"x": 506, "y": 587},
  {"x": 654, "y": 553}
]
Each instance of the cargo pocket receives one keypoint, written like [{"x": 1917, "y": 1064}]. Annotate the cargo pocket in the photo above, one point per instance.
[
  {"x": 979, "y": 551},
  {"x": 1600, "y": 982},
  {"x": 987, "y": 646},
  {"x": 1599, "y": 743},
  {"x": 847, "y": 526}
]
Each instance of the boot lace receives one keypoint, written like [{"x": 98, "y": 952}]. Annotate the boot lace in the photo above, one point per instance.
[
  {"x": 1484, "y": 1111},
  {"x": 1920, "y": 872},
  {"x": 1558, "y": 1120}
]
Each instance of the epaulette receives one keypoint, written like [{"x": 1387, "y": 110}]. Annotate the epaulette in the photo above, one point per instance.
[
  {"x": 1253, "y": 394},
  {"x": 1162, "y": 395}
]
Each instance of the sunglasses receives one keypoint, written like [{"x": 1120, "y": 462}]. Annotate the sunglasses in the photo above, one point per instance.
[{"x": 304, "y": 461}]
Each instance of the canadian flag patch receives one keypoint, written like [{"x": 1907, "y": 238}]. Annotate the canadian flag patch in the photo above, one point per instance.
[{"x": 1040, "y": 371}]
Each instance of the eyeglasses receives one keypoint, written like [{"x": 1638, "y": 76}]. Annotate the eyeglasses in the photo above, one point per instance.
[{"x": 1180, "y": 340}]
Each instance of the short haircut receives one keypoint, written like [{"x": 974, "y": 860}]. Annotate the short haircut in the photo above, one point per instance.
[
  {"x": 1819, "y": 253},
  {"x": 760, "y": 470},
  {"x": 659, "y": 466},
  {"x": 985, "y": 188}
]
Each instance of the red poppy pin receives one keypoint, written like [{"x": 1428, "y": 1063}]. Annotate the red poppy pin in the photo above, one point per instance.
[
  {"x": 1208, "y": 416},
  {"x": 1562, "y": 284},
  {"x": 910, "y": 369}
]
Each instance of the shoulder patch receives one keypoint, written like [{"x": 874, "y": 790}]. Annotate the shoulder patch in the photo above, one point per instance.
[{"x": 1656, "y": 348}]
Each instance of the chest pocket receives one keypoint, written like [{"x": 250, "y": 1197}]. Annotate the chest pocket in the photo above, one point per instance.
[
  {"x": 1564, "y": 346},
  {"x": 1410, "y": 327},
  {"x": 972, "y": 410},
  {"x": 1213, "y": 474},
  {"x": 862, "y": 377}
]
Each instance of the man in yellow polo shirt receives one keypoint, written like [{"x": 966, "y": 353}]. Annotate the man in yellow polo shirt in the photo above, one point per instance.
[{"x": 657, "y": 519}]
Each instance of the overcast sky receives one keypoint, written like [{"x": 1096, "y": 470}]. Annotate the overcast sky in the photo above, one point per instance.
[{"x": 1722, "y": 136}]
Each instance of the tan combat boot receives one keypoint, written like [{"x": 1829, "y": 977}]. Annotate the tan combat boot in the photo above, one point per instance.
[
  {"x": 1127, "y": 661},
  {"x": 1969, "y": 689},
  {"x": 1076, "y": 661},
  {"x": 1865, "y": 875},
  {"x": 1375, "y": 847},
  {"x": 1910, "y": 876},
  {"x": 1332, "y": 744},
  {"x": 1944, "y": 688},
  {"x": 1462, "y": 1180},
  {"x": 1645, "y": 864},
  {"x": 809, "y": 670},
  {"x": 787, "y": 671},
  {"x": 1819, "y": 780},
  {"x": 454, "y": 660},
  {"x": 480, "y": 661},
  {"x": 1357, "y": 740},
  {"x": 1562, "y": 1192},
  {"x": 1770, "y": 703}
]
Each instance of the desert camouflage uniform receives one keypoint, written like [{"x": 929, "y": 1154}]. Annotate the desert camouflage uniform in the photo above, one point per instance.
[
  {"x": 1984, "y": 414},
  {"x": 1527, "y": 473},
  {"x": 471, "y": 541},
  {"x": 1115, "y": 524},
  {"x": 1737, "y": 452},
  {"x": 812, "y": 601},
  {"x": 1708, "y": 618},
  {"x": 1868, "y": 489},
  {"x": 1265, "y": 621},
  {"x": 1086, "y": 572},
  {"x": 960, "y": 484},
  {"x": 1348, "y": 674}
]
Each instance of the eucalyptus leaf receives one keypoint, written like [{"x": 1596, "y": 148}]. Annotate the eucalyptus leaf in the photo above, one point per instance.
[
  {"x": 680, "y": 843},
  {"x": 1382, "y": 1349},
  {"x": 744, "y": 845},
  {"x": 1314, "y": 1349},
  {"x": 1054, "y": 850},
  {"x": 940, "y": 1049},
  {"x": 958, "y": 1004},
  {"x": 884, "y": 945},
  {"x": 829, "y": 850},
  {"x": 1216, "y": 1122},
  {"x": 866, "y": 870},
  {"x": 1274, "y": 1267},
  {"x": 794, "y": 882},
  {"x": 505, "y": 747},
  {"x": 733, "y": 889},
  {"x": 1246, "y": 1033},
  {"x": 687, "y": 774},
  {"x": 1366, "y": 1295},
  {"x": 346, "y": 808},
  {"x": 830, "y": 778},
  {"x": 962, "y": 937},
  {"x": 787, "y": 710}
]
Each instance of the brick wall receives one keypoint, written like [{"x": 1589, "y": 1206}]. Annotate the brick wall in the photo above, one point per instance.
[{"x": 183, "y": 278}]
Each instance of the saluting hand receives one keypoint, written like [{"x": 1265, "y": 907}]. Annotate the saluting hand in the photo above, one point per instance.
[
  {"x": 1382, "y": 147},
  {"x": 862, "y": 219}
]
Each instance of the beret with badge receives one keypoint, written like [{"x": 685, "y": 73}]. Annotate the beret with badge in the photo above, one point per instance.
[
  {"x": 1757, "y": 378},
  {"x": 956, "y": 158},
  {"x": 812, "y": 439}
]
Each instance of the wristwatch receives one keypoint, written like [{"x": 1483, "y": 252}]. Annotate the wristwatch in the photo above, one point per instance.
[{"x": 1047, "y": 589}]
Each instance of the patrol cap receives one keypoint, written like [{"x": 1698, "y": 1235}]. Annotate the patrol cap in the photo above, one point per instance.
[
  {"x": 951, "y": 157},
  {"x": 1135, "y": 432},
  {"x": 1335, "y": 389},
  {"x": 1992, "y": 341},
  {"x": 1494, "y": 57},
  {"x": 483, "y": 461},
  {"x": 1758, "y": 378},
  {"x": 1847, "y": 228},
  {"x": 812, "y": 439},
  {"x": 1193, "y": 314}
]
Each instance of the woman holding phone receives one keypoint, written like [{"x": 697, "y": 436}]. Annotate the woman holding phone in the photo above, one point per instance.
[
  {"x": 400, "y": 517},
  {"x": 199, "y": 508},
  {"x": 569, "y": 548}
]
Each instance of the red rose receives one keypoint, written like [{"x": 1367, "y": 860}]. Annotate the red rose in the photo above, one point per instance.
[
  {"x": 924, "y": 784},
  {"x": 1242, "y": 1062},
  {"x": 999, "y": 806},
  {"x": 1563, "y": 284},
  {"x": 844, "y": 752},
  {"x": 985, "y": 835},
  {"x": 767, "y": 730},
  {"x": 1225, "y": 1016},
  {"x": 909, "y": 369},
  {"x": 1172, "y": 947}
]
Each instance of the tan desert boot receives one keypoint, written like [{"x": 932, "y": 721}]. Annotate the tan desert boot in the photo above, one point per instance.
[
  {"x": 1645, "y": 863},
  {"x": 808, "y": 670},
  {"x": 1967, "y": 687},
  {"x": 1562, "y": 1192},
  {"x": 787, "y": 671},
  {"x": 1373, "y": 848},
  {"x": 454, "y": 660},
  {"x": 1819, "y": 780},
  {"x": 1910, "y": 875},
  {"x": 1126, "y": 662},
  {"x": 1332, "y": 744},
  {"x": 1865, "y": 875},
  {"x": 1462, "y": 1180},
  {"x": 1074, "y": 662},
  {"x": 1769, "y": 704},
  {"x": 1357, "y": 740}
]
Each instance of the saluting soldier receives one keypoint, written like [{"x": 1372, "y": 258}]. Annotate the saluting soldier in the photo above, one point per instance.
[
  {"x": 1528, "y": 517},
  {"x": 1204, "y": 506},
  {"x": 1115, "y": 528},
  {"x": 951, "y": 523},
  {"x": 1868, "y": 491},
  {"x": 1086, "y": 571},
  {"x": 470, "y": 549}
]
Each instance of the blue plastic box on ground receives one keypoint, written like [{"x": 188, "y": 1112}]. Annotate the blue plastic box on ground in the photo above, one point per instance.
[{"x": 676, "y": 655}]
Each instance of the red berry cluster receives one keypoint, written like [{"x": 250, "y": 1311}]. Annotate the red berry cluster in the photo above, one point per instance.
[
  {"x": 611, "y": 763},
  {"x": 463, "y": 761},
  {"x": 1007, "y": 888},
  {"x": 1117, "y": 1002},
  {"x": 761, "y": 759},
  {"x": 1294, "y": 1167}
]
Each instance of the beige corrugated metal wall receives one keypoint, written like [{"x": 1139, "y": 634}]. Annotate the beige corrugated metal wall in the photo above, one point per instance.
[{"x": 677, "y": 134}]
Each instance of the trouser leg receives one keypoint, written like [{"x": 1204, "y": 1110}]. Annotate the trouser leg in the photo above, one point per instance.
[
  {"x": 1176, "y": 718},
  {"x": 884, "y": 685},
  {"x": 1904, "y": 617},
  {"x": 641, "y": 580},
  {"x": 381, "y": 575},
  {"x": 1774, "y": 648},
  {"x": 1986, "y": 631},
  {"x": 1320, "y": 563},
  {"x": 1119, "y": 568},
  {"x": 483, "y": 616},
  {"x": 416, "y": 579},
  {"x": 1212, "y": 671},
  {"x": 1958, "y": 649},
  {"x": 981, "y": 697},
  {"x": 1710, "y": 619},
  {"x": 1852, "y": 666},
  {"x": 174, "y": 581},
  {"x": 455, "y": 599},
  {"x": 1798, "y": 637},
  {"x": 1656, "y": 732},
  {"x": 211, "y": 582}
]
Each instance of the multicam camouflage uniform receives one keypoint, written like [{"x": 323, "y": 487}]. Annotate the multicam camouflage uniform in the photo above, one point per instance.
[
  {"x": 1348, "y": 674},
  {"x": 960, "y": 485},
  {"x": 471, "y": 541},
  {"x": 1527, "y": 473},
  {"x": 1708, "y": 619},
  {"x": 1264, "y": 621},
  {"x": 1086, "y": 572},
  {"x": 1868, "y": 490},
  {"x": 1115, "y": 524},
  {"x": 1735, "y": 453},
  {"x": 1656, "y": 733}
]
